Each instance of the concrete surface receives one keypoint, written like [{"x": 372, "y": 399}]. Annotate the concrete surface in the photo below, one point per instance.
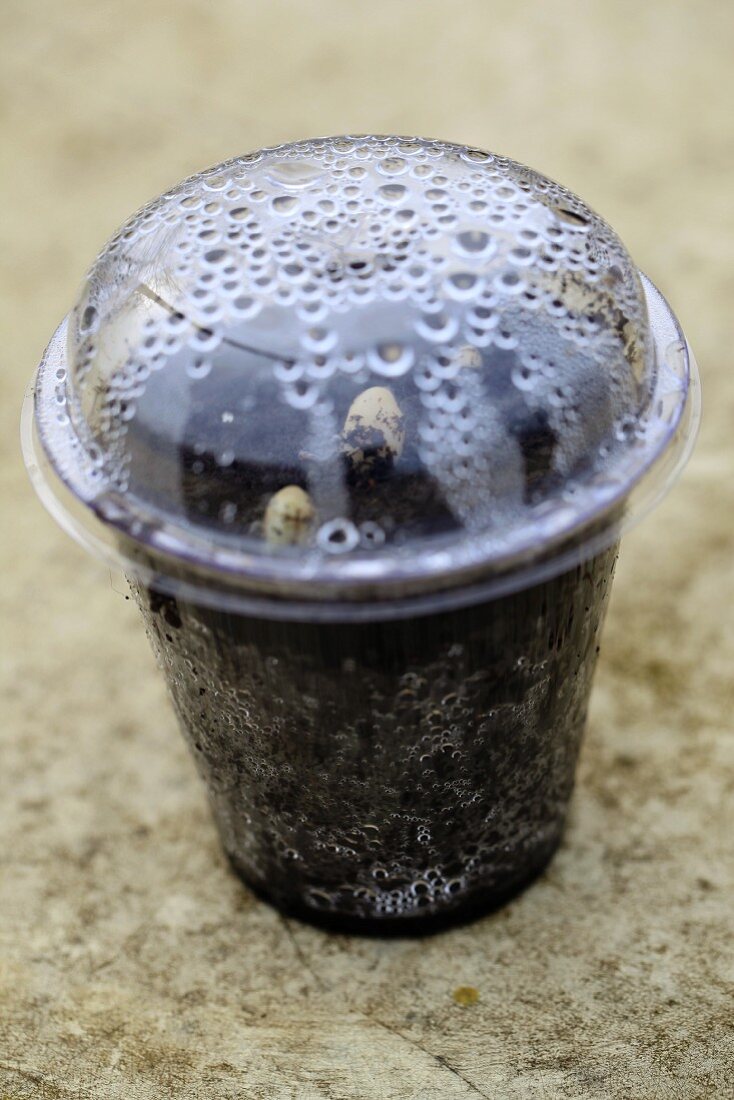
[{"x": 132, "y": 964}]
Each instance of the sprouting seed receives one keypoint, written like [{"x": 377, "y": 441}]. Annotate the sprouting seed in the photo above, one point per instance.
[
  {"x": 374, "y": 430},
  {"x": 469, "y": 356},
  {"x": 289, "y": 516}
]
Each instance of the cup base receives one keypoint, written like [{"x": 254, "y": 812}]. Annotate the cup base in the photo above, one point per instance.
[{"x": 479, "y": 903}]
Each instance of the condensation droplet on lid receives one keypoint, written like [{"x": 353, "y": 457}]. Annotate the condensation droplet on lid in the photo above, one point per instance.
[
  {"x": 463, "y": 285},
  {"x": 198, "y": 367},
  {"x": 285, "y": 204},
  {"x": 437, "y": 327},
  {"x": 476, "y": 156},
  {"x": 523, "y": 378},
  {"x": 392, "y": 166},
  {"x": 318, "y": 338},
  {"x": 89, "y": 319},
  {"x": 509, "y": 282},
  {"x": 246, "y": 306},
  {"x": 295, "y": 174},
  {"x": 338, "y": 536},
  {"x": 475, "y": 242},
  {"x": 392, "y": 192},
  {"x": 204, "y": 339},
  {"x": 522, "y": 256},
  {"x": 576, "y": 218},
  {"x": 302, "y": 395},
  {"x": 371, "y": 534},
  {"x": 391, "y": 360},
  {"x": 216, "y": 182},
  {"x": 504, "y": 339},
  {"x": 288, "y": 370}
]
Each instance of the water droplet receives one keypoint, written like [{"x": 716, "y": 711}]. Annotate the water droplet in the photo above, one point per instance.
[
  {"x": 475, "y": 242},
  {"x": 284, "y": 204},
  {"x": 392, "y": 166},
  {"x": 294, "y": 174},
  {"x": 198, "y": 367},
  {"x": 392, "y": 192},
  {"x": 437, "y": 327},
  {"x": 338, "y": 536},
  {"x": 391, "y": 359}
]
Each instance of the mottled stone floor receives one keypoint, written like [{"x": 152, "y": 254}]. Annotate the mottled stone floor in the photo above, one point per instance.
[{"x": 132, "y": 964}]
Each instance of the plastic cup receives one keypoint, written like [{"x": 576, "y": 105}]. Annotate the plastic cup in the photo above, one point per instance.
[{"x": 362, "y": 420}]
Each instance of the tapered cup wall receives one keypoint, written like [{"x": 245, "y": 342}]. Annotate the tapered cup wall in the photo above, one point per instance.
[{"x": 386, "y": 772}]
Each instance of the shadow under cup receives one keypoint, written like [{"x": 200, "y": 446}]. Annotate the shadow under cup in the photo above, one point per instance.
[{"x": 388, "y": 775}]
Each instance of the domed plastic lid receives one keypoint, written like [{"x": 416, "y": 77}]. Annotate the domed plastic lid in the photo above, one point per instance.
[{"x": 359, "y": 367}]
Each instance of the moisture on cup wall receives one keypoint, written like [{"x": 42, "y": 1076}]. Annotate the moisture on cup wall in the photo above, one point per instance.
[
  {"x": 401, "y": 769},
  {"x": 363, "y": 419}
]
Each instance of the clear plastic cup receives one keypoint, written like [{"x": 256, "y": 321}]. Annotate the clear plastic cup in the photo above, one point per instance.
[{"x": 362, "y": 420}]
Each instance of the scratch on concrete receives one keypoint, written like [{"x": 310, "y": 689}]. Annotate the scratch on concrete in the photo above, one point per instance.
[
  {"x": 302, "y": 957},
  {"x": 438, "y": 1058}
]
